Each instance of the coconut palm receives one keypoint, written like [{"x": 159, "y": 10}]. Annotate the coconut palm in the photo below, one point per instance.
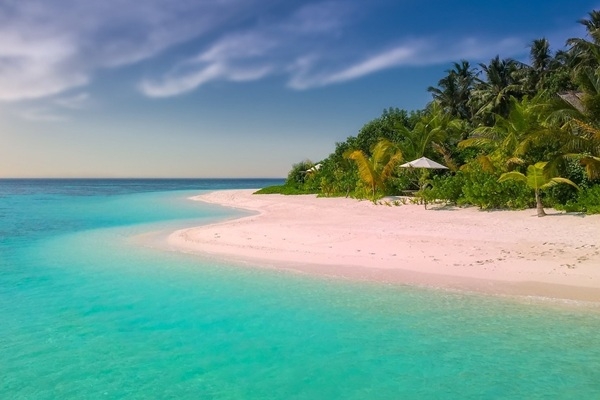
[
  {"x": 454, "y": 91},
  {"x": 584, "y": 145},
  {"x": 541, "y": 64},
  {"x": 435, "y": 127},
  {"x": 492, "y": 95},
  {"x": 537, "y": 180},
  {"x": 374, "y": 171},
  {"x": 511, "y": 138},
  {"x": 587, "y": 53}
]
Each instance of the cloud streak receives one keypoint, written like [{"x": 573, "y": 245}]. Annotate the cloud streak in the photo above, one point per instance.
[
  {"x": 251, "y": 57},
  {"x": 49, "y": 48}
]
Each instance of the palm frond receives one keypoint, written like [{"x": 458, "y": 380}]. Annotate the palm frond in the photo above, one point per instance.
[
  {"x": 591, "y": 130},
  {"x": 474, "y": 142},
  {"x": 486, "y": 163},
  {"x": 446, "y": 155},
  {"x": 557, "y": 180},
  {"x": 592, "y": 166},
  {"x": 365, "y": 169},
  {"x": 515, "y": 161},
  {"x": 513, "y": 176},
  {"x": 390, "y": 166}
]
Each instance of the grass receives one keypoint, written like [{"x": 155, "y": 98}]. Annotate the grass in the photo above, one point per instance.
[{"x": 281, "y": 189}]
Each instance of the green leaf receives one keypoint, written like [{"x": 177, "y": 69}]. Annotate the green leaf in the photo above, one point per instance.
[
  {"x": 535, "y": 176},
  {"x": 512, "y": 176}
]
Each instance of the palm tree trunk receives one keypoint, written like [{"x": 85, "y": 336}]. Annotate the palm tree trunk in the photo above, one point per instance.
[{"x": 538, "y": 202}]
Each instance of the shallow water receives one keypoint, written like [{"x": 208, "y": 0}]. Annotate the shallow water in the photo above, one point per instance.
[{"x": 85, "y": 312}]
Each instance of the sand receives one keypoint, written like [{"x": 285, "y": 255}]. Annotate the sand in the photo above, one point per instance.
[{"x": 497, "y": 252}]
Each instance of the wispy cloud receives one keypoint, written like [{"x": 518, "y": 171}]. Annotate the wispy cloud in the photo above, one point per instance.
[
  {"x": 49, "y": 47},
  {"x": 310, "y": 48},
  {"x": 251, "y": 54},
  {"x": 305, "y": 73}
]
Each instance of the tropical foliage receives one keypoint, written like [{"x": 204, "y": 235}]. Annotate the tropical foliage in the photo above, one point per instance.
[
  {"x": 494, "y": 125},
  {"x": 536, "y": 179}
]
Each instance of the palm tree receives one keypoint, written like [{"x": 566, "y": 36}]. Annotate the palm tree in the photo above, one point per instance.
[
  {"x": 584, "y": 145},
  {"x": 435, "y": 127},
  {"x": 511, "y": 138},
  {"x": 587, "y": 53},
  {"x": 454, "y": 90},
  {"x": 492, "y": 95},
  {"x": 537, "y": 180},
  {"x": 377, "y": 169},
  {"x": 592, "y": 25},
  {"x": 542, "y": 62}
]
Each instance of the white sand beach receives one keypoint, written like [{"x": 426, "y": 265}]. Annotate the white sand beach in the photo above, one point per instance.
[{"x": 499, "y": 252}]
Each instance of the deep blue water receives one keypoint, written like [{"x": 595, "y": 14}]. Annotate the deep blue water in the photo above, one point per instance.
[{"x": 87, "y": 311}]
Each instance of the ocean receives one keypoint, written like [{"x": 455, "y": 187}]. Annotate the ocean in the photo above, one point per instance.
[{"x": 89, "y": 309}]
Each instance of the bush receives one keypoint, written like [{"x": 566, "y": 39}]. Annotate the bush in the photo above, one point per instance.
[
  {"x": 297, "y": 175},
  {"x": 483, "y": 189},
  {"x": 563, "y": 194},
  {"x": 587, "y": 201},
  {"x": 445, "y": 187},
  {"x": 478, "y": 188}
]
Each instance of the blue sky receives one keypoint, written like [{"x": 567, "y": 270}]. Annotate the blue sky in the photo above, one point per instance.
[{"x": 232, "y": 88}]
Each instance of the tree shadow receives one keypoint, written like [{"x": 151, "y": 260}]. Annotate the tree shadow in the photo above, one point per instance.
[{"x": 566, "y": 214}]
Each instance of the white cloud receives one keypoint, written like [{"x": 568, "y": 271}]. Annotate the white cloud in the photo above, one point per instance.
[
  {"x": 254, "y": 53},
  {"x": 48, "y": 47},
  {"x": 182, "y": 83},
  {"x": 34, "y": 68},
  {"x": 305, "y": 73},
  {"x": 228, "y": 59},
  {"x": 397, "y": 56},
  {"x": 312, "y": 48}
]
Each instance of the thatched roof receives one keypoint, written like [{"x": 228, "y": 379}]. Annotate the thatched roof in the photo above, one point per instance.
[{"x": 573, "y": 98}]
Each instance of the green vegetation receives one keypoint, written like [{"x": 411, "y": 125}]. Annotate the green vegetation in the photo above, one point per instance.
[
  {"x": 536, "y": 179},
  {"x": 494, "y": 125},
  {"x": 281, "y": 189}
]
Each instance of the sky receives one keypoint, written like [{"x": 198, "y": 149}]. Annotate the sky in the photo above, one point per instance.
[{"x": 232, "y": 88}]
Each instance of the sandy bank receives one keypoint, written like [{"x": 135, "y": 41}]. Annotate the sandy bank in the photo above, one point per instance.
[{"x": 503, "y": 252}]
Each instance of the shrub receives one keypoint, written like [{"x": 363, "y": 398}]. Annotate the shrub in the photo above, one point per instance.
[
  {"x": 562, "y": 194},
  {"x": 297, "y": 175},
  {"x": 479, "y": 188},
  {"x": 483, "y": 189},
  {"x": 587, "y": 201},
  {"x": 445, "y": 187}
]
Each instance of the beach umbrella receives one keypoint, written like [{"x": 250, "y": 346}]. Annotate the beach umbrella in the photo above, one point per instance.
[{"x": 423, "y": 162}]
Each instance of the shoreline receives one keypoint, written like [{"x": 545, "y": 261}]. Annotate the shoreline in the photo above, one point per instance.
[{"x": 510, "y": 253}]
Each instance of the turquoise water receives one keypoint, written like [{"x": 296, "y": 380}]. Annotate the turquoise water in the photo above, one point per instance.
[{"x": 88, "y": 312}]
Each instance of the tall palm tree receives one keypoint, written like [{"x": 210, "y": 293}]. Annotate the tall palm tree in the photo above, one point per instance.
[
  {"x": 586, "y": 53},
  {"x": 541, "y": 62},
  {"x": 454, "y": 90},
  {"x": 540, "y": 55},
  {"x": 374, "y": 171},
  {"x": 491, "y": 96}
]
